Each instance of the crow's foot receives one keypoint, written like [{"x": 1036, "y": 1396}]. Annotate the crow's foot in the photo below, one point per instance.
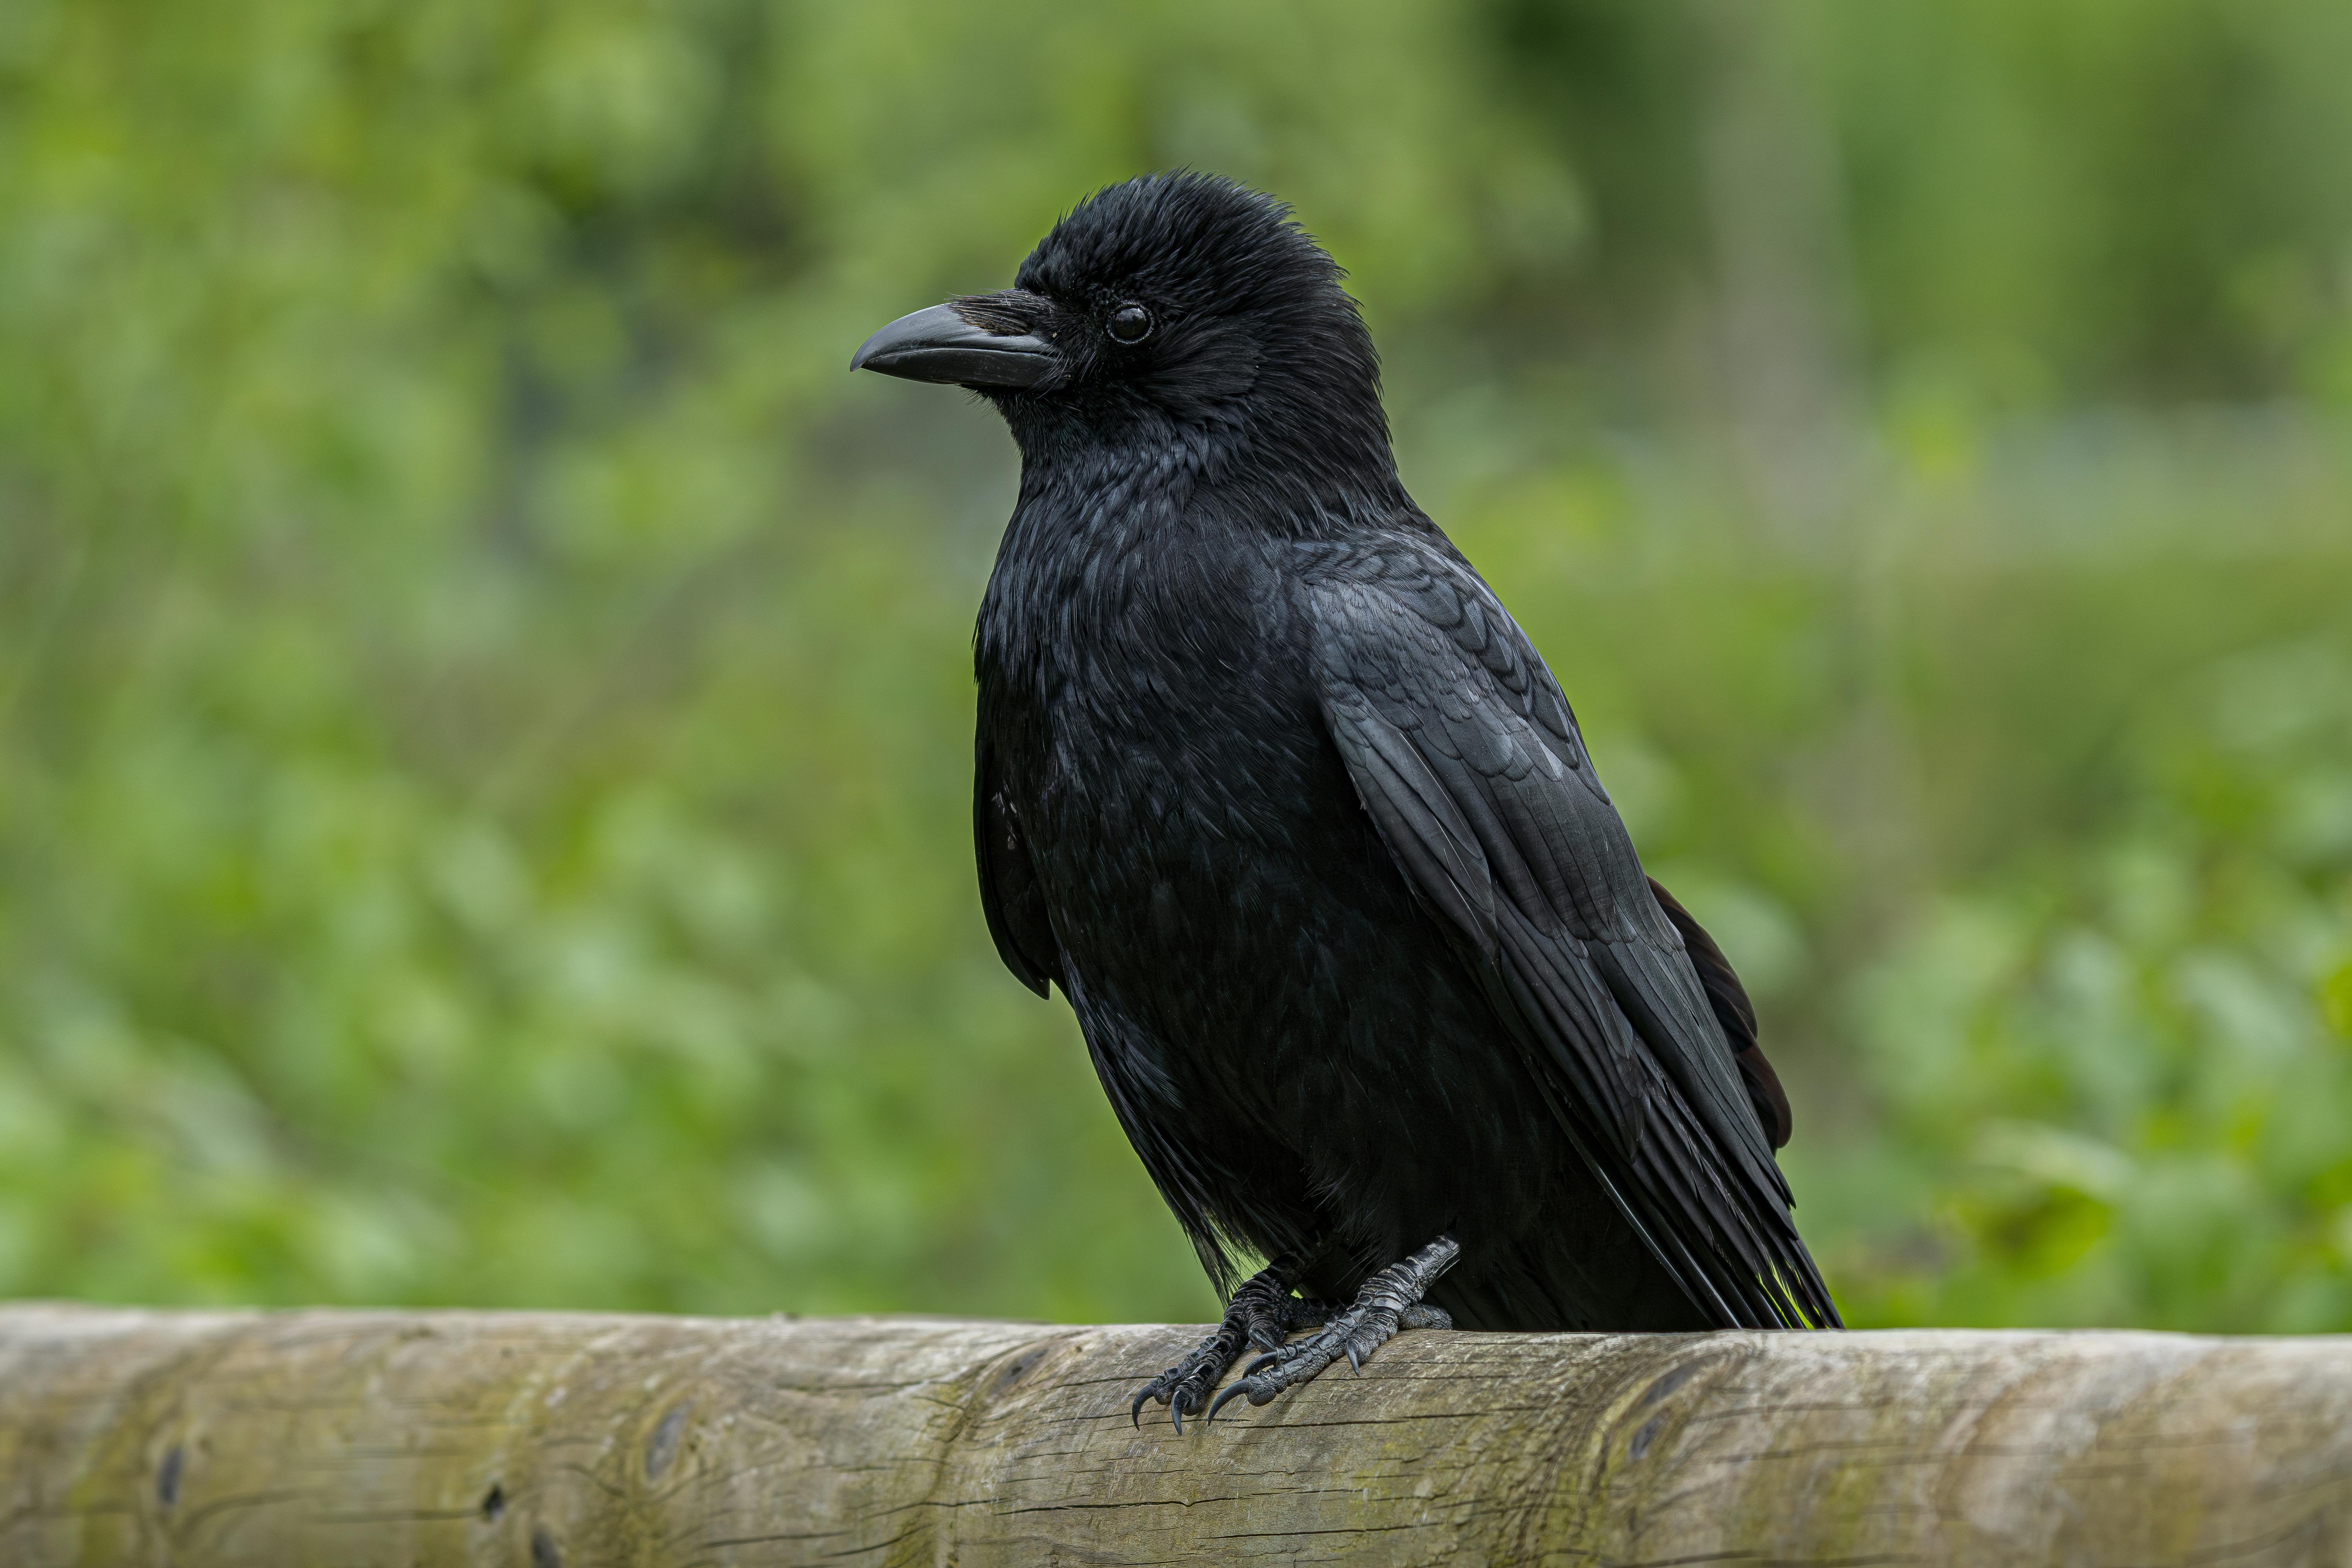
[
  {"x": 1263, "y": 1313},
  {"x": 1390, "y": 1300}
]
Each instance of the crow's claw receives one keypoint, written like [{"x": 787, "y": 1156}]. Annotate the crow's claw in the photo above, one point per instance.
[
  {"x": 1257, "y": 1390},
  {"x": 1390, "y": 1300},
  {"x": 1186, "y": 1386},
  {"x": 1263, "y": 1313}
]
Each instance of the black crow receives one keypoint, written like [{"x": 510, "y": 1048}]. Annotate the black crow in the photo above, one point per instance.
[{"x": 1273, "y": 789}]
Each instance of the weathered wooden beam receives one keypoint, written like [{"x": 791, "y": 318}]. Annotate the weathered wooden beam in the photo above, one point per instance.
[{"x": 192, "y": 1438}]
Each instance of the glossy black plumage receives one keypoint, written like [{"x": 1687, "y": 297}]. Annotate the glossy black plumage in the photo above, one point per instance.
[{"x": 1274, "y": 789}]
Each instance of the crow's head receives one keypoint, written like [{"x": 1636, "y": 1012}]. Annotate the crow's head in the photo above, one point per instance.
[{"x": 1171, "y": 307}]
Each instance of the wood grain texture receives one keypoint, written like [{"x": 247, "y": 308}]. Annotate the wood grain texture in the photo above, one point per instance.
[{"x": 547, "y": 1439}]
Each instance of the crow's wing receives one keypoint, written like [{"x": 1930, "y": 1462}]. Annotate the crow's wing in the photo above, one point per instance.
[
  {"x": 1466, "y": 756},
  {"x": 1009, "y": 893}
]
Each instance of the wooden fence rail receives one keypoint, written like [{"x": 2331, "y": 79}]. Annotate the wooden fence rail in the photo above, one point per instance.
[{"x": 547, "y": 1439}]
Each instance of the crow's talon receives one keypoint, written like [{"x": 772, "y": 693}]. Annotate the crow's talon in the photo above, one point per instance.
[
  {"x": 1184, "y": 1386},
  {"x": 1257, "y": 1390},
  {"x": 1262, "y": 1313},
  {"x": 1390, "y": 1302}
]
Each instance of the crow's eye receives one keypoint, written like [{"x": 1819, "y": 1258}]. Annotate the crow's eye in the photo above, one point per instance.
[{"x": 1129, "y": 324}]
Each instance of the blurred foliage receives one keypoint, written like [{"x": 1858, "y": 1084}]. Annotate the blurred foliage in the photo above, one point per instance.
[
  {"x": 2116, "y": 1076},
  {"x": 484, "y": 697}
]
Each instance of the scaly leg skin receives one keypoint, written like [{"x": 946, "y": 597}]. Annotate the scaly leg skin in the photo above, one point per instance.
[
  {"x": 1263, "y": 1313},
  {"x": 1390, "y": 1300}
]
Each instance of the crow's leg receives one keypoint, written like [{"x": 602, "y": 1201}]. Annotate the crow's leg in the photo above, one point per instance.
[
  {"x": 1390, "y": 1300},
  {"x": 1263, "y": 1313}
]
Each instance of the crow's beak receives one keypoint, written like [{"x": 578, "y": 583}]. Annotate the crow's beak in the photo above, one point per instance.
[{"x": 939, "y": 344}]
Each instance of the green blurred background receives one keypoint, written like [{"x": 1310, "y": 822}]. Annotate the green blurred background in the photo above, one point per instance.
[{"x": 485, "y": 697}]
